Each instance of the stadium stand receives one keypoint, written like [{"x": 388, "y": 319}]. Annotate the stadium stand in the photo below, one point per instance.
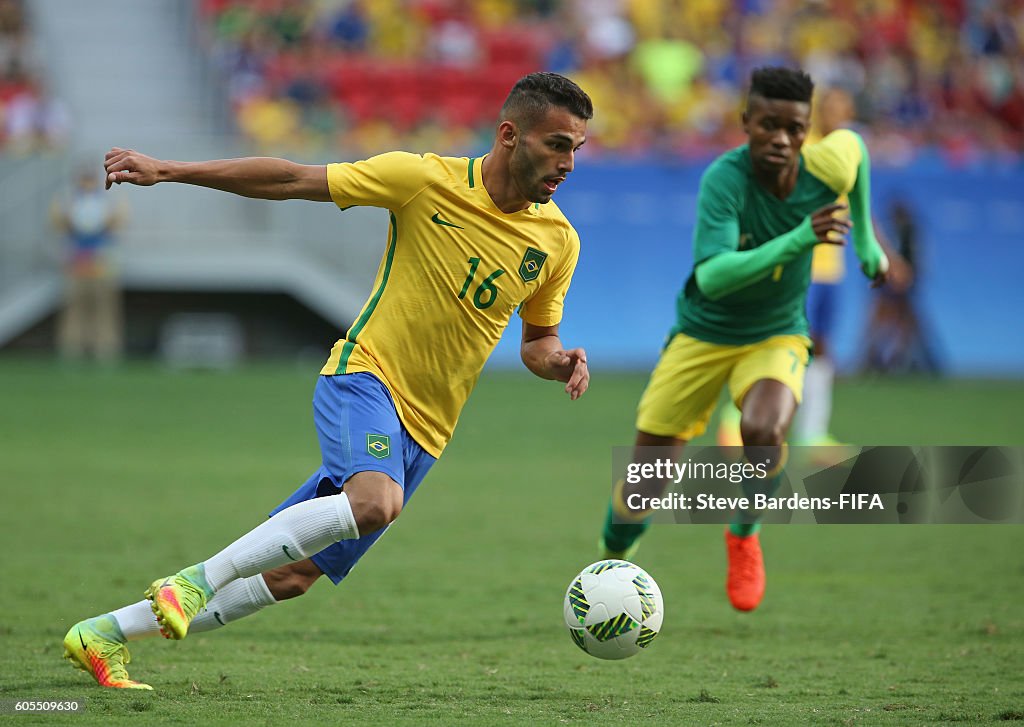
[
  {"x": 667, "y": 74},
  {"x": 32, "y": 119},
  {"x": 939, "y": 88}
]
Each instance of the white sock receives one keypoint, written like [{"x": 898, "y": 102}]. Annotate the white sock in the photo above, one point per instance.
[
  {"x": 137, "y": 621},
  {"x": 816, "y": 409},
  {"x": 236, "y": 600},
  {"x": 293, "y": 534}
]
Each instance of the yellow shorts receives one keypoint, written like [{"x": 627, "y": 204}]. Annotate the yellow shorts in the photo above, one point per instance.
[{"x": 684, "y": 387}]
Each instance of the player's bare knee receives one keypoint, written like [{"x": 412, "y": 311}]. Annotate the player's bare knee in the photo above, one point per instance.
[
  {"x": 376, "y": 514},
  {"x": 287, "y": 587},
  {"x": 375, "y": 499},
  {"x": 762, "y": 432},
  {"x": 291, "y": 580}
]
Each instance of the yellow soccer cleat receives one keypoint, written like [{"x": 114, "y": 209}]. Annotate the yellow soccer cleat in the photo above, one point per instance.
[
  {"x": 176, "y": 601},
  {"x": 729, "y": 434},
  {"x": 97, "y": 646}
]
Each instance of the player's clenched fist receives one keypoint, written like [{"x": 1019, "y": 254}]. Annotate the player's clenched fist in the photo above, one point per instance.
[
  {"x": 126, "y": 165},
  {"x": 829, "y": 228}
]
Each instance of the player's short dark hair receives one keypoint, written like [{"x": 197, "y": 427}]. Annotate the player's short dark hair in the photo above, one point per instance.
[
  {"x": 784, "y": 84},
  {"x": 533, "y": 94}
]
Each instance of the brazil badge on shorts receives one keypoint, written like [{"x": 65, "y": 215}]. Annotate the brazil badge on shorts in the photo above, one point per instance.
[
  {"x": 532, "y": 262},
  {"x": 378, "y": 445}
]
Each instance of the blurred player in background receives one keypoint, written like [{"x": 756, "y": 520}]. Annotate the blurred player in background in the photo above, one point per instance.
[
  {"x": 897, "y": 340},
  {"x": 470, "y": 241},
  {"x": 761, "y": 210},
  {"x": 91, "y": 322},
  {"x": 834, "y": 110}
]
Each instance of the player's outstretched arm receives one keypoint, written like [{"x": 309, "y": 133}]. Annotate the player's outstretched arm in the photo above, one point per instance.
[
  {"x": 542, "y": 353},
  {"x": 258, "y": 177},
  {"x": 728, "y": 272}
]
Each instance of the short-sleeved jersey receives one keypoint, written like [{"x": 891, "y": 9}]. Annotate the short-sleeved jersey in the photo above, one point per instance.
[
  {"x": 734, "y": 212},
  {"x": 454, "y": 270},
  {"x": 828, "y": 264}
]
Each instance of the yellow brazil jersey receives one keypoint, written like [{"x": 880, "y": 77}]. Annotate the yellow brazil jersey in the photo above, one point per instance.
[
  {"x": 455, "y": 269},
  {"x": 834, "y": 161}
]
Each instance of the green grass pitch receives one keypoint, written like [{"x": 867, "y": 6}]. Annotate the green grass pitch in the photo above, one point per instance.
[{"x": 112, "y": 479}]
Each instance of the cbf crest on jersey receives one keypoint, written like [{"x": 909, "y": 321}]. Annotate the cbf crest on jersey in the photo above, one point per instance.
[
  {"x": 378, "y": 445},
  {"x": 532, "y": 262}
]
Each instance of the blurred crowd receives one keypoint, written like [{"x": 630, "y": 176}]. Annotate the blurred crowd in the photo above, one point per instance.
[
  {"x": 31, "y": 119},
  {"x": 666, "y": 76}
]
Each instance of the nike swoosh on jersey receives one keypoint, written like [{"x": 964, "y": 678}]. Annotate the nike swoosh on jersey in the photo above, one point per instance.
[{"x": 436, "y": 219}]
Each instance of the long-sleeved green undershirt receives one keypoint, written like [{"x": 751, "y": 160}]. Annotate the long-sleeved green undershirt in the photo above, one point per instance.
[{"x": 728, "y": 272}]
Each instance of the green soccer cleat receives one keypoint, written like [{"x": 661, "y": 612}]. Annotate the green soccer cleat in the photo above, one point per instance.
[
  {"x": 177, "y": 599},
  {"x": 96, "y": 645},
  {"x": 609, "y": 554}
]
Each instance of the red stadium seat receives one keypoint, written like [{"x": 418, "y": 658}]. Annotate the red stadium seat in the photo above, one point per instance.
[
  {"x": 349, "y": 76},
  {"x": 516, "y": 45}
]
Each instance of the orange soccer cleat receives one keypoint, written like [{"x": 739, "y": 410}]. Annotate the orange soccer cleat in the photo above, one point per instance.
[{"x": 745, "y": 579}]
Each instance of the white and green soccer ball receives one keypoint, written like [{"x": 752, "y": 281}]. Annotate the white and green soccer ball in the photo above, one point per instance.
[{"x": 613, "y": 609}]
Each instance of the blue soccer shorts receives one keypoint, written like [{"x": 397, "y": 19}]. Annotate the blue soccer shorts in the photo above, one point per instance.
[
  {"x": 359, "y": 431},
  {"x": 822, "y": 309}
]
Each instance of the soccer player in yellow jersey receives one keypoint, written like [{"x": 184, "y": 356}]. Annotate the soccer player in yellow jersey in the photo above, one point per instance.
[
  {"x": 470, "y": 242},
  {"x": 761, "y": 210},
  {"x": 834, "y": 110}
]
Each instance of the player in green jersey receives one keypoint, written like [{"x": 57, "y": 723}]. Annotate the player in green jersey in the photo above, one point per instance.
[{"x": 741, "y": 319}]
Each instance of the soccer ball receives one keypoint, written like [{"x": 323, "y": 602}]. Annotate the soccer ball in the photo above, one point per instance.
[{"x": 613, "y": 609}]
